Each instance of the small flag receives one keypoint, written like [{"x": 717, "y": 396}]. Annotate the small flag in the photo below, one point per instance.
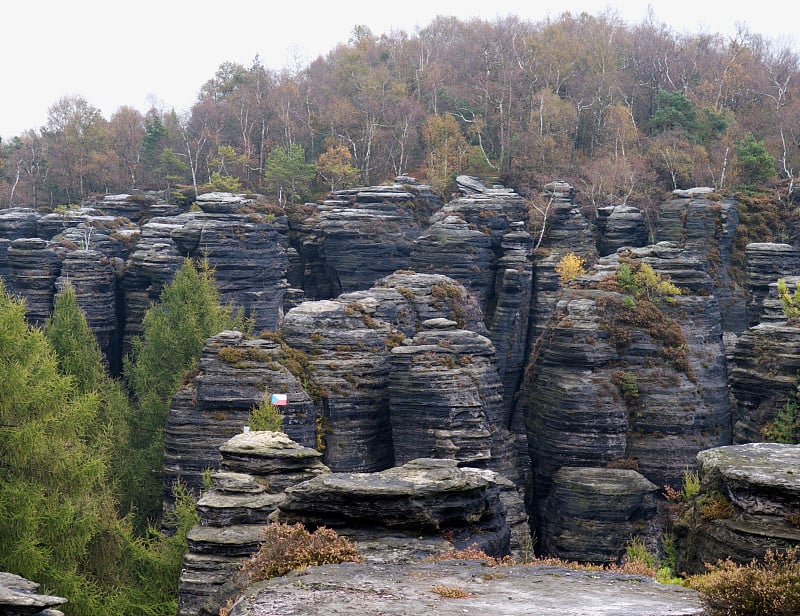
[{"x": 279, "y": 399}]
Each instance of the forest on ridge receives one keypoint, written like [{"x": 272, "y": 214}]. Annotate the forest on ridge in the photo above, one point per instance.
[{"x": 622, "y": 112}]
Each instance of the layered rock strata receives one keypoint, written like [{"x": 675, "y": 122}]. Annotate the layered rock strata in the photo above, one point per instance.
[
  {"x": 255, "y": 469},
  {"x": 704, "y": 224},
  {"x": 235, "y": 375},
  {"x": 445, "y": 396},
  {"x": 423, "y": 497},
  {"x": 633, "y": 382},
  {"x": 749, "y": 502},
  {"x": 763, "y": 377},
  {"x": 15, "y": 223},
  {"x": 619, "y": 226},
  {"x": 766, "y": 263},
  {"x": 358, "y": 236},
  {"x": 34, "y": 265},
  {"x": 93, "y": 278},
  {"x": 592, "y": 513}
]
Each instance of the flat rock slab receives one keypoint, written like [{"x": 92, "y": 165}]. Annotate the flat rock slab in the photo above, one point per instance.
[
  {"x": 408, "y": 590},
  {"x": 760, "y": 478}
]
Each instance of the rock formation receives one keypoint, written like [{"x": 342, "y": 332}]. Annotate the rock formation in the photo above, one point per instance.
[
  {"x": 255, "y": 469},
  {"x": 749, "y": 502},
  {"x": 704, "y": 223},
  {"x": 592, "y": 513},
  {"x": 766, "y": 262},
  {"x": 422, "y": 497},
  {"x": 19, "y": 597},
  {"x": 235, "y": 375},
  {"x": 628, "y": 382},
  {"x": 360, "y": 235},
  {"x": 618, "y": 226},
  {"x": 373, "y": 589}
]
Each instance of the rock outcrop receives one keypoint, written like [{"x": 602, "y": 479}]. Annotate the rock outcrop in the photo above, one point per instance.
[
  {"x": 618, "y": 226},
  {"x": 411, "y": 589},
  {"x": 632, "y": 382},
  {"x": 763, "y": 377},
  {"x": 749, "y": 502},
  {"x": 766, "y": 263},
  {"x": 19, "y": 597},
  {"x": 235, "y": 375},
  {"x": 255, "y": 469},
  {"x": 592, "y": 513},
  {"x": 34, "y": 265},
  {"x": 360, "y": 235},
  {"x": 423, "y": 497},
  {"x": 704, "y": 224}
]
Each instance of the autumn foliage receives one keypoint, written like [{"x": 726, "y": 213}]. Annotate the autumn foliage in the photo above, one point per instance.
[{"x": 624, "y": 112}]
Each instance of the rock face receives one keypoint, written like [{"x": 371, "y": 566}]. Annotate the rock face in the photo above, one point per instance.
[
  {"x": 749, "y": 501},
  {"x": 15, "y": 223},
  {"x": 763, "y": 377},
  {"x": 704, "y": 224},
  {"x": 423, "y": 497},
  {"x": 410, "y": 590},
  {"x": 628, "y": 382},
  {"x": 34, "y": 265},
  {"x": 591, "y": 513},
  {"x": 255, "y": 469},
  {"x": 618, "y": 226},
  {"x": 235, "y": 375},
  {"x": 766, "y": 262},
  {"x": 248, "y": 257},
  {"x": 93, "y": 279},
  {"x": 358, "y": 236},
  {"x": 347, "y": 344},
  {"x": 445, "y": 396},
  {"x": 18, "y": 597}
]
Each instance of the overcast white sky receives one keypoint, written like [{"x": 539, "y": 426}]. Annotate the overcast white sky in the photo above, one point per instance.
[{"x": 115, "y": 53}]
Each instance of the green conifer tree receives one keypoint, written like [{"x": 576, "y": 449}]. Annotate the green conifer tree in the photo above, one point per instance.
[{"x": 161, "y": 360}]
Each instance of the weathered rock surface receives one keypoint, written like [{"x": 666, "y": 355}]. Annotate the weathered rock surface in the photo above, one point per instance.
[
  {"x": 19, "y": 597},
  {"x": 640, "y": 385},
  {"x": 409, "y": 590},
  {"x": 425, "y": 496},
  {"x": 34, "y": 264},
  {"x": 755, "y": 489},
  {"x": 93, "y": 278},
  {"x": 763, "y": 376},
  {"x": 235, "y": 375},
  {"x": 766, "y": 262},
  {"x": 445, "y": 397},
  {"x": 15, "y": 223},
  {"x": 591, "y": 513},
  {"x": 246, "y": 253},
  {"x": 618, "y": 226},
  {"x": 256, "y": 468},
  {"x": 705, "y": 225},
  {"x": 360, "y": 235},
  {"x": 347, "y": 344}
]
